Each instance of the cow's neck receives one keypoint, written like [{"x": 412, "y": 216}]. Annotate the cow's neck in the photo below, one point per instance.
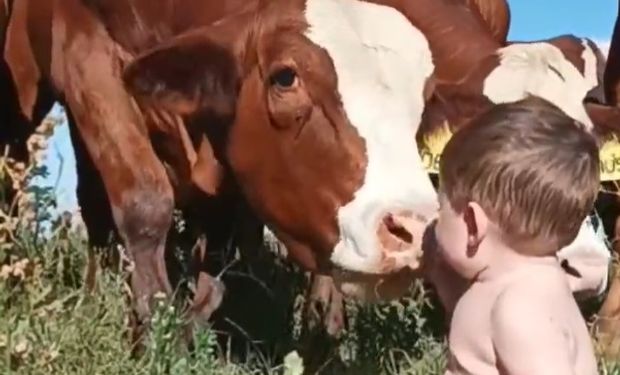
[
  {"x": 458, "y": 37},
  {"x": 612, "y": 70},
  {"x": 138, "y": 25}
]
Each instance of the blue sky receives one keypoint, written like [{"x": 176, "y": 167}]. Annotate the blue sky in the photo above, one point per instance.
[{"x": 531, "y": 19}]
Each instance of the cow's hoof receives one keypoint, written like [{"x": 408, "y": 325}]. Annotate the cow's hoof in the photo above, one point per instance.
[
  {"x": 208, "y": 298},
  {"x": 137, "y": 334},
  {"x": 325, "y": 307},
  {"x": 324, "y": 323},
  {"x": 140, "y": 320},
  {"x": 318, "y": 349}
]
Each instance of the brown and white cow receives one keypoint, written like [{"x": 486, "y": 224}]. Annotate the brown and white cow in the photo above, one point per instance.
[
  {"x": 330, "y": 135},
  {"x": 332, "y": 164}
]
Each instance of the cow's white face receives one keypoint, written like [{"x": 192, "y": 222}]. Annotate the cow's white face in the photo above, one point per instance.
[
  {"x": 382, "y": 64},
  {"x": 541, "y": 69}
]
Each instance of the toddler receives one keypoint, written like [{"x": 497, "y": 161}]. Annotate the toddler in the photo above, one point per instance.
[{"x": 515, "y": 186}]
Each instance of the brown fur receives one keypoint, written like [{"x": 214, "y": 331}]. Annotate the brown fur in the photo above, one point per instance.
[
  {"x": 496, "y": 14},
  {"x": 612, "y": 70},
  {"x": 4, "y": 19},
  {"x": 123, "y": 183}
]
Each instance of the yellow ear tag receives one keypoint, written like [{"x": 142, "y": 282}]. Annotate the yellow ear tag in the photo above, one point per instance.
[
  {"x": 432, "y": 147},
  {"x": 434, "y": 143},
  {"x": 609, "y": 155}
]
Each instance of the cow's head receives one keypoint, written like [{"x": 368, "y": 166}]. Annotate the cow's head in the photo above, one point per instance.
[{"x": 323, "y": 99}]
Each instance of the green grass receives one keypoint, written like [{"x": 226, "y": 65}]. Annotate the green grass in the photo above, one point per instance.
[{"x": 51, "y": 323}]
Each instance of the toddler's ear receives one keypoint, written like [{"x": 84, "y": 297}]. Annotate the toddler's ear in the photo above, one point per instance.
[{"x": 477, "y": 224}]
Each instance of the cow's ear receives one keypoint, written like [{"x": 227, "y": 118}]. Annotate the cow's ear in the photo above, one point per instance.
[
  {"x": 192, "y": 73},
  {"x": 605, "y": 118}
]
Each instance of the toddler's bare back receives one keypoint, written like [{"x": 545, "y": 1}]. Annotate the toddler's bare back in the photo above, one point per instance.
[{"x": 522, "y": 322}]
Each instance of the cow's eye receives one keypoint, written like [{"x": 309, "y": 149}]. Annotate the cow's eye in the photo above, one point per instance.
[{"x": 285, "y": 77}]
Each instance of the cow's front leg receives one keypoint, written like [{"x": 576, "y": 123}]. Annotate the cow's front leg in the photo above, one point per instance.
[
  {"x": 325, "y": 306},
  {"x": 91, "y": 195},
  {"x": 324, "y": 322},
  {"x": 117, "y": 140},
  {"x": 209, "y": 291},
  {"x": 608, "y": 320}
]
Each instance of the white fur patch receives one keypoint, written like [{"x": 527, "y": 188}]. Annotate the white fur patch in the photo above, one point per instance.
[
  {"x": 589, "y": 63},
  {"x": 273, "y": 244},
  {"x": 587, "y": 250},
  {"x": 382, "y": 63},
  {"x": 535, "y": 68}
]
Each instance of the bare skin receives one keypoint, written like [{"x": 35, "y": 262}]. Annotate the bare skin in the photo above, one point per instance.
[
  {"x": 524, "y": 321},
  {"x": 516, "y": 313}
]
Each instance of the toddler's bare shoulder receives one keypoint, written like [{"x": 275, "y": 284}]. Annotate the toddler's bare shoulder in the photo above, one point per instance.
[{"x": 530, "y": 296}]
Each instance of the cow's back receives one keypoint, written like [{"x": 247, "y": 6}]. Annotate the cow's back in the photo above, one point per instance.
[
  {"x": 24, "y": 91},
  {"x": 137, "y": 25},
  {"x": 4, "y": 19}
]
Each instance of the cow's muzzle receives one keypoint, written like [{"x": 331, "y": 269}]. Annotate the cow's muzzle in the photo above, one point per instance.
[{"x": 400, "y": 238}]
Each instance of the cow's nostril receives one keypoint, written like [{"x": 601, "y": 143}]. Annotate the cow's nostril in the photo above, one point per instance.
[
  {"x": 396, "y": 229},
  {"x": 400, "y": 241}
]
